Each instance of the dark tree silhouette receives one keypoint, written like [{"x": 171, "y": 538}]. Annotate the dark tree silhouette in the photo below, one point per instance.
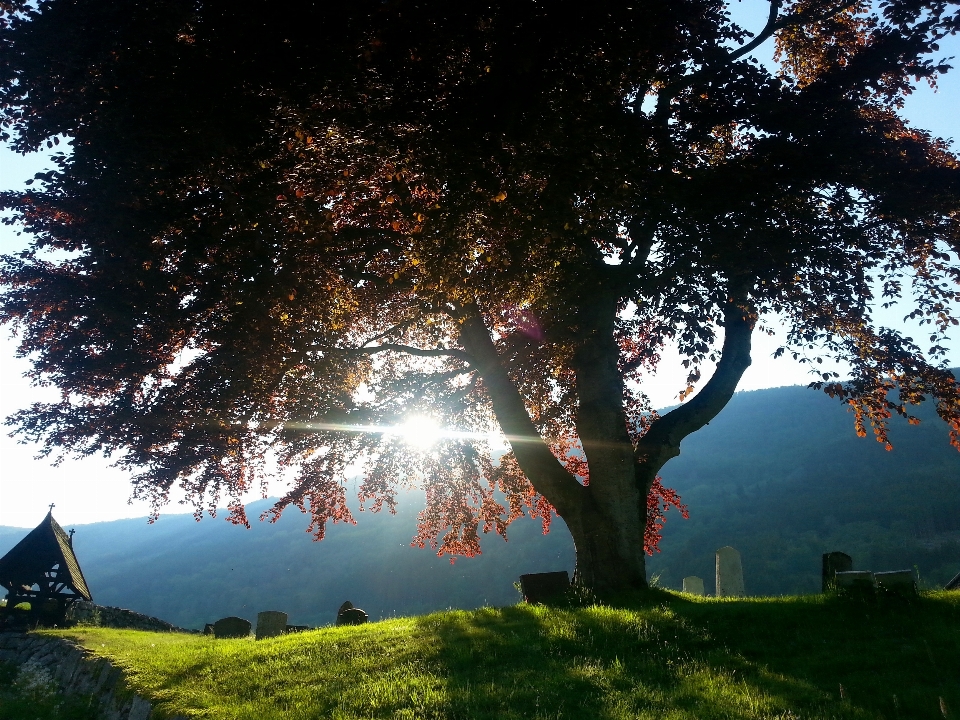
[{"x": 277, "y": 234}]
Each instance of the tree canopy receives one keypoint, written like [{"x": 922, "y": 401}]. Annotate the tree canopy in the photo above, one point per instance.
[{"x": 277, "y": 235}]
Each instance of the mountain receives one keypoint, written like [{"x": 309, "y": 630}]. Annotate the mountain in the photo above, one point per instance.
[
  {"x": 190, "y": 573},
  {"x": 780, "y": 474}
]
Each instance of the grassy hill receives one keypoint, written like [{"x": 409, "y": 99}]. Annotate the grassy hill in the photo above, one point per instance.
[
  {"x": 664, "y": 656},
  {"x": 779, "y": 474}
]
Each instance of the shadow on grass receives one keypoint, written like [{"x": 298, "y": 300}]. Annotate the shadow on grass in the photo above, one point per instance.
[{"x": 667, "y": 656}]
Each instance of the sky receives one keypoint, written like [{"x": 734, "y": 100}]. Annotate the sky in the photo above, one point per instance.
[{"x": 89, "y": 490}]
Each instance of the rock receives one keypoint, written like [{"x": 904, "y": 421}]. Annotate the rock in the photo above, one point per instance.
[
  {"x": 729, "y": 573},
  {"x": 833, "y": 562},
  {"x": 693, "y": 585},
  {"x": 541, "y": 587},
  {"x": 271, "y": 623},
  {"x": 231, "y": 627}
]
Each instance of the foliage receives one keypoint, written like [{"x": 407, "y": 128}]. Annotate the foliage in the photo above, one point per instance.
[
  {"x": 780, "y": 475},
  {"x": 664, "y": 657},
  {"x": 282, "y": 234}
]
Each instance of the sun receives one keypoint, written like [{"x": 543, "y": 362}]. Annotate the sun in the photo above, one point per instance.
[{"x": 420, "y": 431}]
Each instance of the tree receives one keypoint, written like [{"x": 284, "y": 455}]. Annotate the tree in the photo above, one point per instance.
[{"x": 278, "y": 235}]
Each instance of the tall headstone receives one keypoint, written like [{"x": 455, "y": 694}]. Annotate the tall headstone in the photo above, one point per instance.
[
  {"x": 834, "y": 562},
  {"x": 693, "y": 585},
  {"x": 271, "y": 623},
  {"x": 729, "y": 573},
  {"x": 231, "y": 627},
  {"x": 541, "y": 587}
]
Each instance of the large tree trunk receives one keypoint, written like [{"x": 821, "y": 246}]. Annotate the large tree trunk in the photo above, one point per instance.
[
  {"x": 610, "y": 555},
  {"x": 607, "y": 518},
  {"x": 608, "y": 533}
]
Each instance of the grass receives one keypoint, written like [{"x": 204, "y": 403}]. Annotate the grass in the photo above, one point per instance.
[{"x": 662, "y": 656}]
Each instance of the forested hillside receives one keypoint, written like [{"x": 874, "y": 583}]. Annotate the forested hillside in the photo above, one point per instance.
[
  {"x": 189, "y": 573},
  {"x": 780, "y": 475}
]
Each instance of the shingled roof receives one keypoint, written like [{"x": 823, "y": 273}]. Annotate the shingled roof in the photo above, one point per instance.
[{"x": 44, "y": 558}]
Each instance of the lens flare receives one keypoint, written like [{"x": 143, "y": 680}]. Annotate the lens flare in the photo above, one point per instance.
[{"x": 420, "y": 431}]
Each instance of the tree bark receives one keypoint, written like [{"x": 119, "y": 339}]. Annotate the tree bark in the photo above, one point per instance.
[{"x": 606, "y": 518}]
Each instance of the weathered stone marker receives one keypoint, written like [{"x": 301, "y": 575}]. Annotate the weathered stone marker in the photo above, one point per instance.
[
  {"x": 231, "y": 627},
  {"x": 834, "y": 562},
  {"x": 208, "y": 629},
  {"x": 858, "y": 582},
  {"x": 540, "y": 587},
  {"x": 729, "y": 573},
  {"x": 693, "y": 585},
  {"x": 897, "y": 582},
  {"x": 271, "y": 623},
  {"x": 350, "y": 615}
]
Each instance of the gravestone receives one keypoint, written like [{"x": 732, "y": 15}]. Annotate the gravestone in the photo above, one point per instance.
[
  {"x": 896, "y": 582},
  {"x": 855, "y": 582},
  {"x": 834, "y": 562},
  {"x": 540, "y": 587},
  {"x": 350, "y": 615},
  {"x": 208, "y": 629},
  {"x": 271, "y": 623},
  {"x": 693, "y": 585},
  {"x": 729, "y": 573},
  {"x": 231, "y": 627}
]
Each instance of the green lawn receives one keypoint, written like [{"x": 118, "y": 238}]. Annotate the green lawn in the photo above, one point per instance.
[{"x": 666, "y": 656}]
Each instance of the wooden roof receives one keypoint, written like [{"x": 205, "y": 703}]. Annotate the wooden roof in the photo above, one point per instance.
[{"x": 44, "y": 558}]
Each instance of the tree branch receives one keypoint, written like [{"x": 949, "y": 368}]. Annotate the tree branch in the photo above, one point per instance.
[
  {"x": 662, "y": 441},
  {"x": 536, "y": 460},
  {"x": 773, "y": 24},
  {"x": 410, "y": 350}
]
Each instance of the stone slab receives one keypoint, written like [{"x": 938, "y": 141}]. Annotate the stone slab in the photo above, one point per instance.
[
  {"x": 729, "y": 573},
  {"x": 231, "y": 627},
  {"x": 541, "y": 587},
  {"x": 855, "y": 581},
  {"x": 351, "y": 616},
  {"x": 693, "y": 585},
  {"x": 271, "y": 623},
  {"x": 896, "y": 582}
]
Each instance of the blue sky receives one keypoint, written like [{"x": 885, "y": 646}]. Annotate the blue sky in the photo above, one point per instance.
[{"x": 88, "y": 490}]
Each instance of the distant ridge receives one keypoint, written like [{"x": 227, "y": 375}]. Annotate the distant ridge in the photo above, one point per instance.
[{"x": 780, "y": 474}]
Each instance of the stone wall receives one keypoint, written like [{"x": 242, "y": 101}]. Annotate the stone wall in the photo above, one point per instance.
[
  {"x": 88, "y": 613},
  {"x": 73, "y": 670}
]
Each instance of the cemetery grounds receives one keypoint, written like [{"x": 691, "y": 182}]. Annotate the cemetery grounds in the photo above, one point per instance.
[{"x": 663, "y": 655}]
